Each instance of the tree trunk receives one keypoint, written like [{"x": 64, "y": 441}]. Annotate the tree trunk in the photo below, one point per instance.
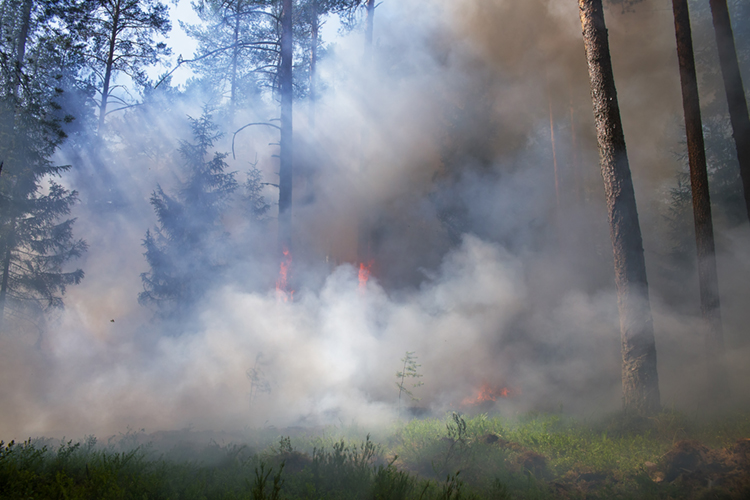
[
  {"x": 6, "y": 275},
  {"x": 554, "y": 148},
  {"x": 364, "y": 250},
  {"x": 704, "y": 232},
  {"x": 369, "y": 27},
  {"x": 235, "y": 59},
  {"x": 23, "y": 37},
  {"x": 285, "y": 153},
  {"x": 24, "y": 34},
  {"x": 730, "y": 70},
  {"x": 640, "y": 382},
  {"x": 110, "y": 62},
  {"x": 315, "y": 27}
]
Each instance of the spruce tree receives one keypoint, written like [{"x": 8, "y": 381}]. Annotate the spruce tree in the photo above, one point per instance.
[
  {"x": 36, "y": 238},
  {"x": 187, "y": 251}
]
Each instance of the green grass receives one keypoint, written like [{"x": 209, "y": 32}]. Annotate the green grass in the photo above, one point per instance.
[{"x": 538, "y": 456}]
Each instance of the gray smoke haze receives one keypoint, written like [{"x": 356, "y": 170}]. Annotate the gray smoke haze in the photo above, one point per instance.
[{"x": 443, "y": 147}]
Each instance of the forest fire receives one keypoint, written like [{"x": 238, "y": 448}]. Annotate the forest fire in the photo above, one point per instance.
[
  {"x": 364, "y": 274},
  {"x": 486, "y": 394},
  {"x": 283, "y": 293}
]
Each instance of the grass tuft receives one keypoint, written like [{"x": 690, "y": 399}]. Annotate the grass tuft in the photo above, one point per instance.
[{"x": 538, "y": 456}]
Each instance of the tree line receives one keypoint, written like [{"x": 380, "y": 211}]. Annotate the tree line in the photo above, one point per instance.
[{"x": 69, "y": 66}]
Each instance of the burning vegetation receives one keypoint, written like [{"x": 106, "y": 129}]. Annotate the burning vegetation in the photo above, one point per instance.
[
  {"x": 488, "y": 394},
  {"x": 277, "y": 207}
]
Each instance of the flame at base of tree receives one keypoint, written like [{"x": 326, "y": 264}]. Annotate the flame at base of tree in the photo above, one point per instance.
[
  {"x": 364, "y": 274},
  {"x": 487, "y": 393},
  {"x": 282, "y": 283}
]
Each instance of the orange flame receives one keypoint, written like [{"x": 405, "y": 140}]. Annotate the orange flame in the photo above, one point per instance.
[
  {"x": 364, "y": 274},
  {"x": 281, "y": 283},
  {"x": 487, "y": 393}
]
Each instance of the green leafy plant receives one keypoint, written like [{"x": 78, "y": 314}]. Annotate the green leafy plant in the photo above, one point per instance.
[
  {"x": 262, "y": 490},
  {"x": 409, "y": 371}
]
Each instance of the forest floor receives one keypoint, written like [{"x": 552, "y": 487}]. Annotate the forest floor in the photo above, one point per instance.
[{"x": 669, "y": 456}]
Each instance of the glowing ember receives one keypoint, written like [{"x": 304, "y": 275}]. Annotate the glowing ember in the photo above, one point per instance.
[
  {"x": 487, "y": 393},
  {"x": 282, "y": 288},
  {"x": 364, "y": 274}
]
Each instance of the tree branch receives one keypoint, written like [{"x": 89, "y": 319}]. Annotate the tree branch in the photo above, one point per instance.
[{"x": 250, "y": 125}]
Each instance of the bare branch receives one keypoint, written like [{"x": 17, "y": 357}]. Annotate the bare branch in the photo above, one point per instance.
[{"x": 250, "y": 125}]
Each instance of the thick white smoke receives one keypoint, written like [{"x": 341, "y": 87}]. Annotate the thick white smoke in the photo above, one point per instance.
[{"x": 443, "y": 147}]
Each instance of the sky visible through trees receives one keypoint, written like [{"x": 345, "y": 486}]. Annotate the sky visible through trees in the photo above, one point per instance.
[{"x": 460, "y": 148}]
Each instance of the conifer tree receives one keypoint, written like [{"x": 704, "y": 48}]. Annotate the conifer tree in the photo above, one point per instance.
[
  {"x": 735, "y": 91},
  {"x": 704, "y": 232},
  {"x": 36, "y": 239},
  {"x": 118, "y": 36},
  {"x": 237, "y": 47},
  {"x": 188, "y": 249}
]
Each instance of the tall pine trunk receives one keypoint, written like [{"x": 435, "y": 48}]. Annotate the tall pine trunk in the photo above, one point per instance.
[
  {"x": 314, "y": 34},
  {"x": 24, "y": 34},
  {"x": 364, "y": 250},
  {"x": 109, "y": 66},
  {"x": 704, "y": 232},
  {"x": 235, "y": 62},
  {"x": 285, "y": 153},
  {"x": 640, "y": 382},
  {"x": 730, "y": 70},
  {"x": 4, "y": 283},
  {"x": 369, "y": 26}
]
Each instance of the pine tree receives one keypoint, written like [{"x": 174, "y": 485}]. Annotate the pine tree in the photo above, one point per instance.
[
  {"x": 734, "y": 89},
  {"x": 188, "y": 250},
  {"x": 640, "y": 381},
  {"x": 704, "y": 232},
  {"x": 118, "y": 37},
  {"x": 36, "y": 240},
  {"x": 237, "y": 47}
]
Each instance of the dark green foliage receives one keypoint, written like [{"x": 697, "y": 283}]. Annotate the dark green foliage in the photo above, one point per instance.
[
  {"x": 261, "y": 487},
  {"x": 595, "y": 460},
  {"x": 188, "y": 249},
  {"x": 36, "y": 239},
  {"x": 390, "y": 483},
  {"x": 238, "y": 45},
  {"x": 255, "y": 203},
  {"x": 117, "y": 37},
  {"x": 237, "y": 48}
]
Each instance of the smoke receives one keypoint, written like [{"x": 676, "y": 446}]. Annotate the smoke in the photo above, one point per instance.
[{"x": 489, "y": 264}]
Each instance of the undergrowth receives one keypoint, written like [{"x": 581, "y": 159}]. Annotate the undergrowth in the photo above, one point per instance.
[{"x": 538, "y": 456}]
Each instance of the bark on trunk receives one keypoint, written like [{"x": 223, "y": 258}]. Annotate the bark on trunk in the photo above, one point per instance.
[
  {"x": 364, "y": 250},
  {"x": 235, "y": 59},
  {"x": 369, "y": 26},
  {"x": 6, "y": 276},
  {"x": 640, "y": 381},
  {"x": 24, "y": 34},
  {"x": 315, "y": 27},
  {"x": 285, "y": 153},
  {"x": 704, "y": 232},
  {"x": 730, "y": 70},
  {"x": 554, "y": 147},
  {"x": 110, "y": 62},
  {"x": 23, "y": 37}
]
